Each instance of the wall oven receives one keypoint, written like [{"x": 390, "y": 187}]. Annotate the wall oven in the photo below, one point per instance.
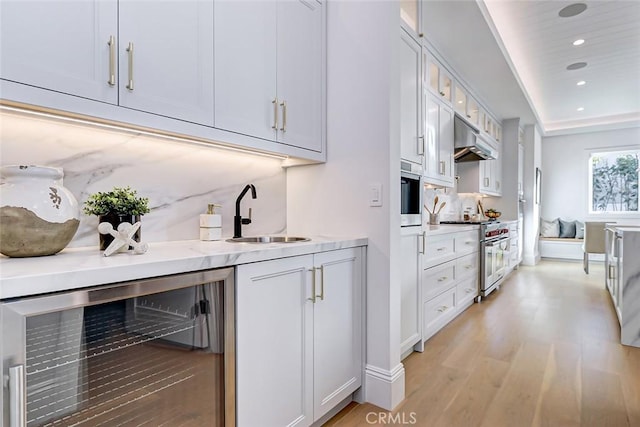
[
  {"x": 494, "y": 251},
  {"x": 155, "y": 352},
  {"x": 410, "y": 196}
]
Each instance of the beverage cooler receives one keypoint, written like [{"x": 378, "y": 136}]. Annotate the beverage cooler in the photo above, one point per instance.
[{"x": 149, "y": 352}]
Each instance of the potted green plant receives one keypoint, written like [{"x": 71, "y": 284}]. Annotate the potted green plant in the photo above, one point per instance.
[{"x": 122, "y": 204}]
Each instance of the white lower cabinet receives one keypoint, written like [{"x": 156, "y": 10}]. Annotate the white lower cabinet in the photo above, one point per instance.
[
  {"x": 411, "y": 248},
  {"x": 299, "y": 337},
  {"x": 450, "y": 278}
]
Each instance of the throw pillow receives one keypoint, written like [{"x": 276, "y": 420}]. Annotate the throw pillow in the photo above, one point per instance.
[
  {"x": 567, "y": 229},
  {"x": 549, "y": 228},
  {"x": 579, "y": 230}
]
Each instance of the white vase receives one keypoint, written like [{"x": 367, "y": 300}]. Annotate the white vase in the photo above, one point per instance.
[{"x": 38, "y": 216}]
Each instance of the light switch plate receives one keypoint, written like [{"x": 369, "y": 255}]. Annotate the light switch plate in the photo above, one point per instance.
[{"x": 375, "y": 194}]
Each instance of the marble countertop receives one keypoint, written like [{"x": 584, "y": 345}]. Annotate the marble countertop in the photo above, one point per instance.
[
  {"x": 449, "y": 228},
  {"x": 82, "y": 267}
]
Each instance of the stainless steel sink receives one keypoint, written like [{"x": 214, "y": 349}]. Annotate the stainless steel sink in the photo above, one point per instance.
[{"x": 269, "y": 239}]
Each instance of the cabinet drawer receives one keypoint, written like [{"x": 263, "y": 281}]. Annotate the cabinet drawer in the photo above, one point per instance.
[
  {"x": 437, "y": 279},
  {"x": 438, "y": 249},
  {"x": 467, "y": 266},
  {"x": 466, "y": 290},
  {"x": 438, "y": 309},
  {"x": 467, "y": 242}
]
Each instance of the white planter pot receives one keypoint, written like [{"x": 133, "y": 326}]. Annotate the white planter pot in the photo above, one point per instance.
[{"x": 38, "y": 216}]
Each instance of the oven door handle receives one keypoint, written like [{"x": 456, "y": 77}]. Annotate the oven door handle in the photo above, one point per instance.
[
  {"x": 16, "y": 396},
  {"x": 495, "y": 243}
]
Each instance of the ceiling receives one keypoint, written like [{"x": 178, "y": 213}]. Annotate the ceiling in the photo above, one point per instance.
[{"x": 514, "y": 55}]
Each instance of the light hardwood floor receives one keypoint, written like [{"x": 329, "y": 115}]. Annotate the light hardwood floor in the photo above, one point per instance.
[{"x": 544, "y": 350}]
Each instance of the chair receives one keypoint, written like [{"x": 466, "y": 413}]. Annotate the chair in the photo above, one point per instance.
[{"x": 593, "y": 241}]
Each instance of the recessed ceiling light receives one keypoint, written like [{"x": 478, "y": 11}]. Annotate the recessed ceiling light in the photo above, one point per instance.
[
  {"x": 578, "y": 42},
  {"x": 576, "y": 65},
  {"x": 580, "y": 108},
  {"x": 572, "y": 10},
  {"x": 581, "y": 83}
]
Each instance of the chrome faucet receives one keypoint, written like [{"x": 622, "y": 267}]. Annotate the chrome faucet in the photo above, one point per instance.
[{"x": 237, "y": 219}]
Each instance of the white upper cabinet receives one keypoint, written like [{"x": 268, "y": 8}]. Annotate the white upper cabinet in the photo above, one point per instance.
[
  {"x": 484, "y": 176},
  {"x": 166, "y": 58},
  {"x": 299, "y": 73},
  {"x": 245, "y": 67},
  {"x": 440, "y": 81},
  {"x": 268, "y": 70},
  {"x": 61, "y": 46},
  {"x": 438, "y": 169},
  {"x": 411, "y": 134},
  {"x": 410, "y": 12}
]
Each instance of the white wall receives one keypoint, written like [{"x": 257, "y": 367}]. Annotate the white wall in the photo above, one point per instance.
[
  {"x": 179, "y": 179},
  {"x": 363, "y": 134},
  {"x": 565, "y": 178}
]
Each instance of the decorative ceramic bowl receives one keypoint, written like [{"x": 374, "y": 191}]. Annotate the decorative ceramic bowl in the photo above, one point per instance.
[
  {"x": 493, "y": 215},
  {"x": 38, "y": 215}
]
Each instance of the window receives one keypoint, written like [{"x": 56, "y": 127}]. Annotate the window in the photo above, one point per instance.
[{"x": 613, "y": 182}]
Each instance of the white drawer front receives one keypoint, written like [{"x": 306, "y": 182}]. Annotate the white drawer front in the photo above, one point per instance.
[
  {"x": 438, "y": 249},
  {"x": 466, "y": 290},
  {"x": 467, "y": 242},
  {"x": 437, "y": 279},
  {"x": 439, "y": 308},
  {"x": 467, "y": 266}
]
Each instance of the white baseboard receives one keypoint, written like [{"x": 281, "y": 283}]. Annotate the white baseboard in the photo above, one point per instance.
[{"x": 384, "y": 388}]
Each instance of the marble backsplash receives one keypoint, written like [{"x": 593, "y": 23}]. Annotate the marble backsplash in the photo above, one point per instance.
[
  {"x": 456, "y": 203},
  {"x": 179, "y": 178}
]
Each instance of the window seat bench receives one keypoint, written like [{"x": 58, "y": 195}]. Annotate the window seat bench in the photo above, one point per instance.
[{"x": 561, "y": 248}]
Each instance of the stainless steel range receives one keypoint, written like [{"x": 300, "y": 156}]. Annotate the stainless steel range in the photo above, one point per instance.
[{"x": 494, "y": 253}]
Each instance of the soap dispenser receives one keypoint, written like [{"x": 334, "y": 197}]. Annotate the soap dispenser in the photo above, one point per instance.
[{"x": 211, "y": 224}]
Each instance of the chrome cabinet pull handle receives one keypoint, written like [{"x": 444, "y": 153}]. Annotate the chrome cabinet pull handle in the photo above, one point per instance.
[
  {"x": 16, "y": 397},
  {"x": 275, "y": 114},
  {"x": 486, "y": 182},
  {"x": 443, "y": 167},
  {"x": 441, "y": 249},
  {"x": 283, "y": 104},
  {"x": 442, "y": 279},
  {"x": 112, "y": 61},
  {"x": 130, "y": 51},
  {"x": 421, "y": 146},
  {"x": 313, "y": 285},
  {"x": 321, "y": 283},
  {"x": 443, "y": 308},
  {"x": 424, "y": 238}
]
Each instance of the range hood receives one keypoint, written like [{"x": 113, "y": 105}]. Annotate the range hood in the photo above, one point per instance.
[{"x": 468, "y": 143}]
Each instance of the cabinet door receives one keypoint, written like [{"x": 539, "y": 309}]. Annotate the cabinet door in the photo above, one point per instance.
[
  {"x": 497, "y": 176},
  {"x": 299, "y": 73},
  {"x": 445, "y": 146},
  {"x": 274, "y": 324},
  {"x": 61, "y": 46},
  {"x": 245, "y": 67},
  {"x": 486, "y": 182},
  {"x": 337, "y": 328},
  {"x": 411, "y": 138},
  {"x": 411, "y": 245},
  {"x": 169, "y": 71},
  {"x": 432, "y": 138}
]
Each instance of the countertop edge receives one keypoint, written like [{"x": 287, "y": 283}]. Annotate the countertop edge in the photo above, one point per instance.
[{"x": 76, "y": 268}]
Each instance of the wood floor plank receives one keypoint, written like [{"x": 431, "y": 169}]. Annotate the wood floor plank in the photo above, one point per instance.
[
  {"x": 471, "y": 403},
  {"x": 516, "y": 401},
  {"x": 561, "y": 391},
  {"x": 602, "y": 400}
]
